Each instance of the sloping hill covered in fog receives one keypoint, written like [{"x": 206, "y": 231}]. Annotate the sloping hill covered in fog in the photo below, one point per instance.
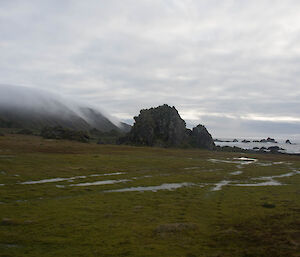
[{"x": 22, "y": 107}]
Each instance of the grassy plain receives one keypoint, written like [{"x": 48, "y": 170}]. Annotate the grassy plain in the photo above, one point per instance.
[{"x": 62, "y": 219}]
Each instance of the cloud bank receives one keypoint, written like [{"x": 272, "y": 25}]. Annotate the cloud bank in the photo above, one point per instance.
[{"x": 232, "y": 65}]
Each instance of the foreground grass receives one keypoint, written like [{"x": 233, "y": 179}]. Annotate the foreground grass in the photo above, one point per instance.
[{"x": 46, "y": 220}]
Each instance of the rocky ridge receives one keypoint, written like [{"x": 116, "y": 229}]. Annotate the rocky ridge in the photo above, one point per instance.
[{"x": 163, "y": 126}]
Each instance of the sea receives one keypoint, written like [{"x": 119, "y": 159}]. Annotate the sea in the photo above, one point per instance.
[{"x": 293, "y": 148}]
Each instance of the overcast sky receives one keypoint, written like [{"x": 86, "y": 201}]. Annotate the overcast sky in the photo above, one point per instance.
[{"x": 233, "y": 66}]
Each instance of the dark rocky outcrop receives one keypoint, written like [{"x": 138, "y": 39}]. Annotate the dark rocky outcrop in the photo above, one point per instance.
[
  {"x": 275, "y": 149},
  {"x": 288, "y": 142},
  {"x": 163, "y": 126},
  {"x": 223, "y": 141},
  {"x": 268, "y": 140},
  {"x": 200, "y": 138},
  {"x": 245, "y": 141}
]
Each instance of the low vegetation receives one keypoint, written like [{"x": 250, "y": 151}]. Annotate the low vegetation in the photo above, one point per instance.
[
  {"x": 64, "y": 133},
  {"x": 48, "y": 209}
]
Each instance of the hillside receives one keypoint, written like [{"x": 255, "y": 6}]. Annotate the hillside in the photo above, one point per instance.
[{"x": 22, "y": 107}]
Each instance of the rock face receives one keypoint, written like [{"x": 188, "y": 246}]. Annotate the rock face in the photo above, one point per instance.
[
  {"x": 163, "y": 126},
  {"x": 200, "y": 138}
]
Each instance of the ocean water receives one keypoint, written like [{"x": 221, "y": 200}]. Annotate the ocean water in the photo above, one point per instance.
[{"x": 293, "y": 148}]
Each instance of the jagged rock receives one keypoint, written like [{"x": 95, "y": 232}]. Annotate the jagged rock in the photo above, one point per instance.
[
  {"x": 200, "y": 138},
  {"x": 274, "y": 149},
  {"x": 245, "y": 141},
  {"x": 223, "y": 141},
  {"x": 268, "y": 140},
  {"x": 218, "y": 140},
  {"x": 235, "y": 141},
  {"x": 288, "y": 142},
  {"x": 163, "y": 126}
]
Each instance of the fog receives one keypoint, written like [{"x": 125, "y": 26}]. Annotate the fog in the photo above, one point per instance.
[
  {"x": 45, "y": 102},
  {"x": 230, "y": 65}
]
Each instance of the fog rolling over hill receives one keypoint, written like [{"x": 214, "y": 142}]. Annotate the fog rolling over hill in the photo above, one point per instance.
[{"x": 24, "y": 107}]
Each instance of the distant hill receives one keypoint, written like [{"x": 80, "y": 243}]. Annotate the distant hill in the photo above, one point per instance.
[{"x": 22, "y": 107}]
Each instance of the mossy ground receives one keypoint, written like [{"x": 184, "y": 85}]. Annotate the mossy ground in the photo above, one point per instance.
[{"x": 44, "y": 220}]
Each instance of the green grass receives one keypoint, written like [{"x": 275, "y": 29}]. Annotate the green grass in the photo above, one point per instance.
[{"x": 44, "y": 220}]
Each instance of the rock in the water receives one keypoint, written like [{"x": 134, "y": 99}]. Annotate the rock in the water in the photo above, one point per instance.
[
  {"x": 235, "y": 141},
  {"x": 200, "y": 138},
  {"x": 274, "y": 149},
  {"x": 288, "y": 142},
  {"x": 268, "y": 140},
  {"x": 245, "y": 141}
]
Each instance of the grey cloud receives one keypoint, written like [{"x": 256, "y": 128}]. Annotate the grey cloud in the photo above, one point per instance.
[{"x": 216, "y": 57}]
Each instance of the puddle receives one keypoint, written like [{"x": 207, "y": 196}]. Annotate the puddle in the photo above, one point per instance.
[
  {"x": 220, "y": 185},
  {"x": 241, "y": 160},
  {"x": 245, "y": 159},
  {"x": 278, "y": 176},
  {"x": 238, "y": 172},
  {"x": 50, "y": 180},
  {"x": 170, "y": 186},
  {"x": 192, "y": 168},
  {"x": 60, "y": 186},
  {"x": 270, "y": 181},
  {"x": 264, "y": 164},
  {"x": 108, "y": 174},
  {"x": 267, "y": 183},
  {"x": 2, "y": 184},
  {"x": 102, "y": 182}
]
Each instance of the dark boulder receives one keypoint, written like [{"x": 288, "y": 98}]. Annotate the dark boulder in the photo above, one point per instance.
[
  {"x": 274, "y": 149},
  {"x": 235, "y": 141},
  {"x": 268, "y": 140},
  {"x": 200, "y": 138},
  {"x": 163, "y": 126},
  {"x": 245, "y": 141},
  {"x": 288, "y": 142}
]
